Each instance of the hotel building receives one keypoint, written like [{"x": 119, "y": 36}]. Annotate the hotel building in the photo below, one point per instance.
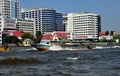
[
  {"x": 46, "y": 19},
  {"x": 83, "y": 26}
]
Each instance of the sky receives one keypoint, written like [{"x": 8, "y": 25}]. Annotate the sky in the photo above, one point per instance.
[{"x": 109, "y": 10}]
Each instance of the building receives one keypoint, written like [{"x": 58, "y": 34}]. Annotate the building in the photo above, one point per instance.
[
  {"x": 26, "y": 25},
  {"x": 83, "y": 26},
  {"x": 103, "y": 36},
  {"x": 14, "y": 9},
  {"x": 4, "y": 13},
  {"x": 9, "y": 9},
  {"x": 65, "y": 18},
  {"x": 5, "y": 8},
  {"x": 8, "y": 25},
  {"x": 17, "y": 33},
  {"x": 0, "y": 28},
  {"x": 59, "y": 22},
  {"x": 46, "y": 19},
  {"x": 57, "y": 35}
]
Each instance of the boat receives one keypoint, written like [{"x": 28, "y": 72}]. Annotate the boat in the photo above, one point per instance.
[
  {"x": 43, "y": 45},
  {"x": 4, "y": 49},
  {"x": 75, "y": 46}
]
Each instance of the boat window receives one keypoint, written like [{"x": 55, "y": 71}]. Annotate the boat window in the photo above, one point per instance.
[{"x": 47, "y": 42}]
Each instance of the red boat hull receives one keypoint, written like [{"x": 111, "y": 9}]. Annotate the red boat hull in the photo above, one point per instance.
[{"x": 42, "y": 48}]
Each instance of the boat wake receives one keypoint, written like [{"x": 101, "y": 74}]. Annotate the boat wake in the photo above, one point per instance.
[
  {"x": 55, "y": 48},
  {"x": 106, "y": 47}
]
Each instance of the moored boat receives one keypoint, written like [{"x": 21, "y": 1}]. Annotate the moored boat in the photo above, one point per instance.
[{"x": 4, "y": 49}]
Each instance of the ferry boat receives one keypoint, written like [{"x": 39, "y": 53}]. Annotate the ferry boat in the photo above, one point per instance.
[{"x": 43, "y": 45}]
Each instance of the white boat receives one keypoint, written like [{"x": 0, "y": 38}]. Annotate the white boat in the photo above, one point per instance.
[{"x": 45, "y": 45}]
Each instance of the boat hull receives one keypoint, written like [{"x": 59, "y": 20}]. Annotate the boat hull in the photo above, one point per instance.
[
  {"x": 4, "y": 49},
  {"x": 39, "y": 48}
]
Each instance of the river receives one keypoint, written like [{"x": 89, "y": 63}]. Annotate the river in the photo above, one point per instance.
[{"x": 29, "y": 62}]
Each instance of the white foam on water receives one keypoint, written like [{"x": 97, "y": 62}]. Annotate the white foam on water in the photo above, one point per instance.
[
  {"x": 99, "y": 47},
  {"x": 55, "y": 48},
  {"x": 31, "y": 49},
  {"x": 73, "y": 58}
]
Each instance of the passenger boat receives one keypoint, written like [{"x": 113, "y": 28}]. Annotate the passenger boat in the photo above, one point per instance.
[{"x": 43, "y": 45}]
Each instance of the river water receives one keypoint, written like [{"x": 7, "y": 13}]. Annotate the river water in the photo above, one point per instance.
[{"x": 29, "y": 62}]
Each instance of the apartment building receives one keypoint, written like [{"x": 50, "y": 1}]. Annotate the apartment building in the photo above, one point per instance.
[{"x": 83, "y": 26}]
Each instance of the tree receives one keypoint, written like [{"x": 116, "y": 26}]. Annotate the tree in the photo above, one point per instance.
[
  {"x": 27, "y": 35},
  {"x": 13, "y": 39},
  {"x": 107, "y": 32},
  {"x": 38, "y": 36},
  {"x": 4, "y": 38},
  {"x": 10, "y": 39},
  {"x": 112, "y": 32},
  {"x": 116, "y": 37}
]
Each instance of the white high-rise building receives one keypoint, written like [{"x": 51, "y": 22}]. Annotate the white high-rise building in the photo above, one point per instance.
[
  {"x": 5, "y": 8},
  {"x": 0, "y": 28},
  {"x": 4, "y": 13},
  {"x": 83, "y": 26}
]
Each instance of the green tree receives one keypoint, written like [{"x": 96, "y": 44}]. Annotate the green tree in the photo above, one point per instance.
[
  {"x": 107, "y": 32},
  {"x": 38, "y": 36},
  {"x": 4, "y": 38},
  {"x": 27, "y": 35},
  {"x": 116, "y": 37},
  {"x": 111, "y": 33},
  {"x": 10, "y": 39},
  {"x": 13, "y": 39}
]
